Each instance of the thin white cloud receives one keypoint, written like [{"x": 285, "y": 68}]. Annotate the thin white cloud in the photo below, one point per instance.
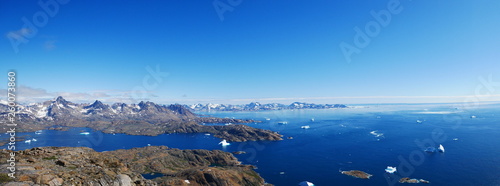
[
  {"x": 49, "y": 45},
  {"x": 18, "y": 34},
  {"x": 349, "y": 99},
  {"x": 29, "y": 95}
]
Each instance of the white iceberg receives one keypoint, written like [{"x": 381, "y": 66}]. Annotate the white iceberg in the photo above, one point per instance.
[
  {"x": 34, "y": 139},
  {"x": 27, "y": 141},
  {"x": 38, "y": 132},
  {"x": 376, "y": 133},
  {"x": 390, "y": 169},
  {"x": 306, "y": 183},
  {"x": 441, "y": 148},
  {"x": 187, "y": 181},
  {"x": 224, "y": 143},
  {"x": 84, "y": 133},
  {"x": 305, "y": 127}
]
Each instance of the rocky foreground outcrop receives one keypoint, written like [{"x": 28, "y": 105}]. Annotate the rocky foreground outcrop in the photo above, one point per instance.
[
  {"x": 84, "y": 166},
  {"x": 144, "y": 118}
]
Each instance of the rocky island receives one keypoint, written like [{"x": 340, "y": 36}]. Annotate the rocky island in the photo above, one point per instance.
[
  {"x": 144, "y": 118},
  {"x": 357, "y": 174},
  {"x": 84, "y": 166},
  {"x": 412, "y": 180}
]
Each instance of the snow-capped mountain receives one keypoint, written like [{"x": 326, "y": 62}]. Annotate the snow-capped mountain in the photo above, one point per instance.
[
  {"x": 144, "y": 118},
  {"x": 255, "y": 106},
  {"x": 61, "y": 109}
]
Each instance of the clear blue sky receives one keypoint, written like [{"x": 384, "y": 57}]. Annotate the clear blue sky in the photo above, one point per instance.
[{"x": 268, "y": 51}]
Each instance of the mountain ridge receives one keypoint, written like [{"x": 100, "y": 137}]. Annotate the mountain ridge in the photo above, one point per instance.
[
  {"x": 256, "y": 106},
  {"x": 144, "y": 118}
]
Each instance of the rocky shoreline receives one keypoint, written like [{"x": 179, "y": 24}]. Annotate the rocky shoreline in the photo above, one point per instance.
[{"x": 84, "y": 166}]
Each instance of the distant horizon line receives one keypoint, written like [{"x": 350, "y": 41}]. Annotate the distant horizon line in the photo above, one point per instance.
[{"x": 292, "y": 100}]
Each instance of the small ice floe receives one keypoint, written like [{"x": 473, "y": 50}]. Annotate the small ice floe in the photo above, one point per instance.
[
  {"x": 27, "y": 141},
  {"x": 149, "y": 144},
  {"x": 441, "y": 148},
  {"x": 473, "y": 116},
  {"x": 38, "y": 132},
  {"x": 430, "y": 149},
  {"x": 455, "y": 139},
  {"x": 390, "y": 169},
  {"x": 34, "y": 139},
  {"x": 306, "y": 183},
  {"x": 187, "y": 181},
  {"x": 282, "y": 173},
  {"x": 207, "y": 134},
  {"x": 419, "y": 121},
  {"x": 376, "y": 133},
  {"x": 312, "y": 119},
  {"x": 224, "y": 143},
  {"x": 305, "y": 127},
  {"x": 228, "y": 124},
  {"x": 268, "y": 119},
  {"x": 282, "y": 122},
  {"x": 84, "y": 133}
]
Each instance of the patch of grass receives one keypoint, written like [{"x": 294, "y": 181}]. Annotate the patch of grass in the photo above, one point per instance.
[
  {"x": 254, "y": 174},
  {"x": 5, "y": 178},
  {"x": 50, "y": 158}
]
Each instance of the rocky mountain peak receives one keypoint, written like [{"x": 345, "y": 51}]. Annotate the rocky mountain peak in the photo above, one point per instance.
[
  {"x": 97, "y": 105},
  {"x": 61, "y": 100}
]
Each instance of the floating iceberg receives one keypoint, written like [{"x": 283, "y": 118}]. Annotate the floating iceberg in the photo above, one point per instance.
[
  {"x": 472, "y": 116},
  {"x": 38, "y": 132},
  {"x": 419, "y": 121},
  {"x": 441, "y": 148},
  {"x": 187, "y": 181},
  {"x": 455, "y": 139},
  {"x": 282, "y": 122},
  {"x": 312, "y": 119},
  {"x": 390, "y": 169},
  {"x": 27, "y": 141},
  {"x": 207, "y": 134},
  {"x": 224, "y": 143},
  {"x": 376, "y": 133},
  {"x": 34, "y": 139},
  {"x": 305, "y": 127},
  {"x": 84, "y": 133},
  {"x": 306, "y": 183}
]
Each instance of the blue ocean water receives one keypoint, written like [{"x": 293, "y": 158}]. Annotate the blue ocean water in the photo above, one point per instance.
[{"x": 361, "y": 138}]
